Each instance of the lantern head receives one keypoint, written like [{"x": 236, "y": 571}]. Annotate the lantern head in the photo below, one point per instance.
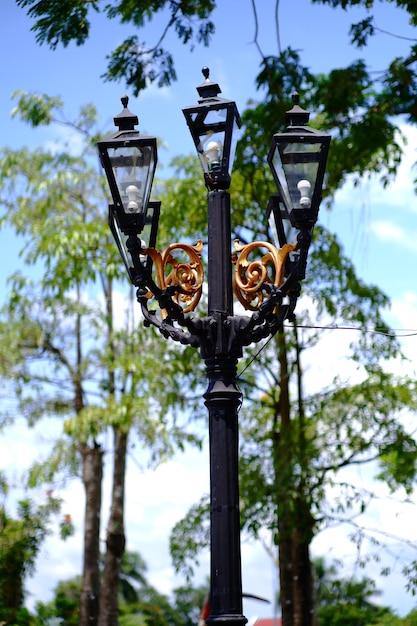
[
  {"x": 211, "y": 123},
  {"x": 129, "y": 161},
  {"x": 297, "y": 159}
]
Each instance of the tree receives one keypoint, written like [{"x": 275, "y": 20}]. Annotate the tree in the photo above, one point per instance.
[
  {"x": 62, "y": 349},
  {"x": 302, "y": 432},
  {"x": 294, "y": 446},
  {"x": 20, "y": 540}
]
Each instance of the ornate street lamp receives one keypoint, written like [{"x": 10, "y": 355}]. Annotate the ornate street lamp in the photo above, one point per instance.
[{"x": 268, "y": 286}]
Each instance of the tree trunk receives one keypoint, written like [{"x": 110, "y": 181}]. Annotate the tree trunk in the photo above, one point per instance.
[
  {"x": 295, "y": 522},
  {"x": 115, "y": 541},
  {"x": 92, "y": 461},
  {"x": 295, "y": 567},
  {"x": 303, "y": 595},
  {"x": 285, "y": 574},
  {"x": 302, "y": 535},
  {"x": 282, "y": 452},
  {"x": 92, "y": 477}
]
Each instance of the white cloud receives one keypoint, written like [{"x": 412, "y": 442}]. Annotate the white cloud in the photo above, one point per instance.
[
  {"x": 152, "y": 90},
  {"x": 404, "y": 309},
  {"x": 387, "y": 231},
  {"x": 367, "y": 212}
]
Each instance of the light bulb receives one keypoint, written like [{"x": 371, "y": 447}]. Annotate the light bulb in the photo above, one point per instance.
[
  {"x": 133, "y": 196},
  {"x": 304, "y": 187},
  {"x": 142, "y": 257},
  {"x": 212, "y": 153}
]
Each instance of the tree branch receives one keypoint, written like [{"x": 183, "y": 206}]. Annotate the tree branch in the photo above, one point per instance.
[
  {"x": 255, "y": 39},
  {"x": 277, "y": 27}
]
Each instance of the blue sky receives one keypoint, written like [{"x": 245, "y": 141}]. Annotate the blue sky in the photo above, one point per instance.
[
  {"x": 73, "y": 73},
  {"x": 378, "y": 227}
]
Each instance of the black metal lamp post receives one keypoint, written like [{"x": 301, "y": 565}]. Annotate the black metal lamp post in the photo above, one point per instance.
[
  {"x": 268, "y": 287},
  {"x": 212, "y": 134}
]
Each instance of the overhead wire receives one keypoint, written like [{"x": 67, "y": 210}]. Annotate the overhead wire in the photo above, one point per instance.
[
  {"x": 393, "y": 332},
  {"x": 398, "y": 333}
]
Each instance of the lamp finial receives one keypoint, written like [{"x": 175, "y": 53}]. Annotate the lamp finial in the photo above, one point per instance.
[
  {"x": 208, "y": 89},
  {"x": 297, "y": 116},
  {"x": 126, "y": 120}
]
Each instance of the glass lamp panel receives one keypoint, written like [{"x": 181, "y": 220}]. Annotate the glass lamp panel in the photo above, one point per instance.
[
  {"x": 296, "y": 166},
  {"x": 281, "y": 229},
  {"x": 150, "y": 229},
  {"x": 147, "y": 238},
  {"x": 212, "y": 124},
  {"x": 236, "y": 135},
  {"x": 210, "y": 151},
  {"x": 120, "y": 239},
  {"x": 133, "y": 169},
  {"x": 280, "y": 176},
  {"x": 216, "y": 149}
]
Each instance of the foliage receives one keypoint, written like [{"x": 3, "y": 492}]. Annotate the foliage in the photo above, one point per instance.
[
  {"x": 64, "y": 347},
  {"x": 181, "y": 198},
  {"x": 411, "y": 619},
  {"x": 358, "y": 106},
  {"x": 189, "y": 536},
  {"x": 153, "y": 608},
  {"x": 133, "y": 60},
  {"x": 20, "y": 540},
  {"x": 347, "y": 602},
  {"x": 71, "y": 257},
  {"x": 140, "y": 602},
  {"x": 346, "y": 423},
  {"x": 64, "y": 607},
  {"x": 189, "y": 601},
  {"x": 293, "y": 448}
]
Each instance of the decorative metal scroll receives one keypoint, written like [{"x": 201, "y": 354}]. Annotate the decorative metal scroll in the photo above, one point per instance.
[
  {"x": 251, "y": 276},
  {"x": 187, "y": 276}
]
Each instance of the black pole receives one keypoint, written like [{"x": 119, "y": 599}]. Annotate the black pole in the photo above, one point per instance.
[{"x": 223, "y": 399}]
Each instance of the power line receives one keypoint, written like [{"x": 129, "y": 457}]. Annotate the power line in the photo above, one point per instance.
[
  {"x": 393, "y": 332},
  {"x": 398, "y": 333}
]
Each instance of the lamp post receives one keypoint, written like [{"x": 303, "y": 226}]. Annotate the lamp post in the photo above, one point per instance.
[{"x": 268, "y": 286}]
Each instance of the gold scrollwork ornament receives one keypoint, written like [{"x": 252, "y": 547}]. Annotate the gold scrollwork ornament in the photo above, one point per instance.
[
  {"x": 187, "y": 275},
  {"x": 250, "y": 275}
]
